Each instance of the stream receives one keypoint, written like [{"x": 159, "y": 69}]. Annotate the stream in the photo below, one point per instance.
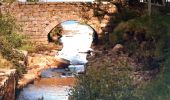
[
  {"x": 55, "y": 83},
  {"x": 51, "y": 86}
]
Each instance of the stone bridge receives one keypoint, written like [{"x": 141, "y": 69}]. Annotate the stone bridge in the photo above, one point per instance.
[{"x": 38, "y": 19}]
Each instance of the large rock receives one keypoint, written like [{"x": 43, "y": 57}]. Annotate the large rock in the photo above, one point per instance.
[
  {"x": 40, "y": 60},
  {"x": 118, "y": 48},
  {"x": 45, "y": 60},
  {"x": 38, "y": 63},
  {"x": 62, "y": 63}
]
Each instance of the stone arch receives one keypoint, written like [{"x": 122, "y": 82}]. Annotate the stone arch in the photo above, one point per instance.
[
  {"x": 50, "y": 27},
  {"x": 56, "y": 23}
]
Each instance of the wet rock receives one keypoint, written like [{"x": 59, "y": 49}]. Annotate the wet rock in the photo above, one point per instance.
[{"x": 62, "y": 63}]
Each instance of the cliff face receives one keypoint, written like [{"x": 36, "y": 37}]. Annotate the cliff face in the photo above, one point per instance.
[{"x": 8, "y": 80}]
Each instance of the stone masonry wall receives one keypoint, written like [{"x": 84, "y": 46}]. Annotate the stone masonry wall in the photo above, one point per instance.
[
  {"x": 8, "y": 80},
  {"x": 38, "y": 19}
]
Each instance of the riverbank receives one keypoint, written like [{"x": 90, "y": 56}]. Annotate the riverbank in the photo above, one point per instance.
[
  {"x": 8, "y": 81},
  {"x": 138, "y": 52},
  {"x": 36, "y": 63}
]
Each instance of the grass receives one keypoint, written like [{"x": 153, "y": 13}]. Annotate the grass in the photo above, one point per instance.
[
  {"x": 159, "y": 88},
  {"x": 5, "y": 63},
  {"x": 9, "y": 41}
]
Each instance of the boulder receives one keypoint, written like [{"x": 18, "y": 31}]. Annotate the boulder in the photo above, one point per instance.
[
  {"x": 62, "y": 63},
  {"x": 118, "y": 48},
  {"x": 41, "y": 60},
  {"x": 45, "y": 60}
]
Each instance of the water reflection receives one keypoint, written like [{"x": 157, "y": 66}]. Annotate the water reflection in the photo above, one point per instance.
[
  {"x": 54, "y": 84},
  {"x": 48, "y": 88}
]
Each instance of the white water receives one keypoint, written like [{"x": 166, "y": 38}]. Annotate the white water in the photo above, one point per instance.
[{"x": 76, "y": 45}]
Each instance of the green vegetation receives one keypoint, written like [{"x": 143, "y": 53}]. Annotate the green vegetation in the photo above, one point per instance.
[
  {"x": 105, "y": 81},
  {"x": 146, "y": 41},
  {"x": 55, "y": 34},
  {"x": 144, "y": 38},
  {"x": 158, "y": 88},
  {"x": 111, "y": 77},
  {"x": 9, "y": 41}
]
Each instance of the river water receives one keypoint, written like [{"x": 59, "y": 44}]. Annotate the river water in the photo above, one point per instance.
[
  {"x": 51, "y": 86},
  {"x": 54, "y": 84}
]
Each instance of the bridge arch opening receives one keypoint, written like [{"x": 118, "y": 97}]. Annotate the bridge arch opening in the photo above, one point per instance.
[
  {"x": 68, "y": 26},
  {"x": 76, "y": 39}
]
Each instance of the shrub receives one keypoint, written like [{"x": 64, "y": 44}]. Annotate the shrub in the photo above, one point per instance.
[
  {"x": 158, "y": 88},
  {"x": 126, "y": 14},
  {"x": 105, "y": 80},
  {"x": 144, "y": 38},
  {"x": 9, "y": 41}
]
